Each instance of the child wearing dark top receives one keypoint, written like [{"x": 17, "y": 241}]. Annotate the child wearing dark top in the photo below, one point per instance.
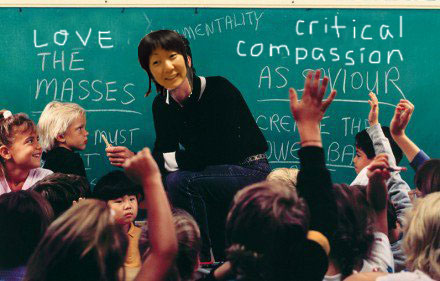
[
  {"x": 270, "y": 233},
  {"x": 62, "y": 130}
]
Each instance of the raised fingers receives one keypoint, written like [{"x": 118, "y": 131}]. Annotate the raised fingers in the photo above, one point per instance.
[
  {"x": 323, "y": 88},
  {"x": 315, "y": 83},
  {"x": 308, "y": 84},
  {"x": 328, "y": 101}
]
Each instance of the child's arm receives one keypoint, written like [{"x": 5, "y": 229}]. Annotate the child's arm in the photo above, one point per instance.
[
  {"x": 397, "y": 188},
  {"x": 398, "y": 124},
  {"x": 314, "y": 181},
  {"x": 377, "y": 193},
  {"x": 381, "y": 256},
  {"x": 380, "y": 142},
  {"x": 142, "y": 168}
]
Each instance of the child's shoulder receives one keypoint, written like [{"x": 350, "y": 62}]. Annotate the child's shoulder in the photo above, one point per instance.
[
  {"x": 39, "y": 172},
  {"x": 36, "y": 175}
]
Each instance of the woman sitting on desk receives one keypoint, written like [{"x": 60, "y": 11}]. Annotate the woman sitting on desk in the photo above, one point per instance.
[{"x": 207, "y": 141}]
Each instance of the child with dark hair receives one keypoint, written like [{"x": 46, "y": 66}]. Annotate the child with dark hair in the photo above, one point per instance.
[
  {"x": 122, "y": 196},
  {"x": 62, "y": 190},
  {"x": 360, "y": 242},
  {"x": 374, "y": 141},
  {"x": 427, "y": 178},
  {"x": 86, "y": 242},
  {"x": 24, "y": 217}
]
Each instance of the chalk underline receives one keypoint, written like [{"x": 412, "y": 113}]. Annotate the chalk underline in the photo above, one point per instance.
[
  {"x": 103, "y": 110},
  {"x": 297, "y": 162},
  {"x": 335, "y": 100}
]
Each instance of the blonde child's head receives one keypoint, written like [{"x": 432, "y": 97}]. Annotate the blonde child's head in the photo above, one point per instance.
[
  {"x": 422, "y": 236},
  {"x": 63, "y": 124},
  {"x": 19, "y": 145},
  {"x": 285, "y": 176}
]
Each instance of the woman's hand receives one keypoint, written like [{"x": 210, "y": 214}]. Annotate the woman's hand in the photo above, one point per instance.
[{"x": 117, "y": 155}]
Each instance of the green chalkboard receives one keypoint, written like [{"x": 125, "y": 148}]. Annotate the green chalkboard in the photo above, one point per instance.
[{"x": 89, "y": 56}]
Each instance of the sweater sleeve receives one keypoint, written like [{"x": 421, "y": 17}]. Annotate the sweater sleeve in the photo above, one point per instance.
[
  {"x": 397, "y": 188},
  {"x": 316, "y": 187},
  {"x": 166, "y": 144},
  {"x": 420, "y": 158}
]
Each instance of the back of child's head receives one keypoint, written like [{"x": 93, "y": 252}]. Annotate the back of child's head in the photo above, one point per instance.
[
  {"x": 354, "y": 236},
  {"x": 61, "y": 190},
  {"x": 286, "y": 176},
  {"x": 427, "y": 178},
  {"x": 114, "y": 185},
  {"x": 24, "y": 217},
  {"x": 266, "y": 230},
  {"x": 364, "y": 142},
  {"x": 188, "y": 239},
  {"x": 84, "y": 243},
  {"x": 54, "y": 121},
  {"x": 422, "y": 236},
  {"x": 10, "y": 126}
]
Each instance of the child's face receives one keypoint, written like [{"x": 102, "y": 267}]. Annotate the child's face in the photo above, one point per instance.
[
  {"x": 76, "y": 135},
  {"x": 125, "y": 208},
  {"x": 26, "y": 151},
  {"x": 360, "y": 160}
]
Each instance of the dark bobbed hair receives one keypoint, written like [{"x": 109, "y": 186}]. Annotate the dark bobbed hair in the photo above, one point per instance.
[
  {"x": 114, "y": 185},
  {"x": 427, "y": 178},
  {"x": 24, "y": 217},
  {"x": 364, "y": 142},
  {"x": 168, "y": 40},
  {"x": 61, "y": 190},
  {"x": 84, "y": 243},
  {"x": 353, "y": 239},
  {"x": 188, "y": 239},
  {"x": 266, "y": 230}
]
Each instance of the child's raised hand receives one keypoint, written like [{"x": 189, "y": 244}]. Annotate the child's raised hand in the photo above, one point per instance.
[
  {"x": 142, "y": 166},
  {"x": 373, "y": 116},
  {"x": 378, "y": 173},
  {"x": 117, "y": 155},
  {"x": 401, "y": 118},
  {"x": 311, "y": 108}
]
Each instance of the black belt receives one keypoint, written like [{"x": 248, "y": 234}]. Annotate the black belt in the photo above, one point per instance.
[{"x": 253, "y": 158}]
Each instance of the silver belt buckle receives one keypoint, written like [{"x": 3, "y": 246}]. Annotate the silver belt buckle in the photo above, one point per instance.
[{"x": 254, "y": 158}]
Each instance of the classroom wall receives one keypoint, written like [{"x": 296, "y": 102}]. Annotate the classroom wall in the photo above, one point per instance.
[{"x": 89, "y": 56}]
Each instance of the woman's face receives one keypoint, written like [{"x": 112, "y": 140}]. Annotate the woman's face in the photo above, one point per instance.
[{"x": 168, "y": 68}]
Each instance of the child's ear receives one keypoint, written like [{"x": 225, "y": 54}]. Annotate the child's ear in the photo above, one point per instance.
[
  {"x": 5, "y": 153},
  {"x": 60, "y": 138}
]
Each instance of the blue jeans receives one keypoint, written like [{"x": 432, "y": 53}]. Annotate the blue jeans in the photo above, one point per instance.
[{"x": 207, "y": 196}]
